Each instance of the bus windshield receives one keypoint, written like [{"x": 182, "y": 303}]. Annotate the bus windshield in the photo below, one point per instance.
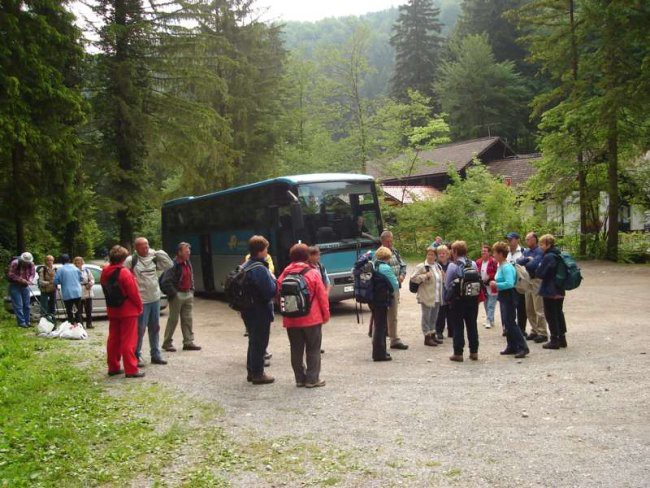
[{"x": 339, "y": 212}]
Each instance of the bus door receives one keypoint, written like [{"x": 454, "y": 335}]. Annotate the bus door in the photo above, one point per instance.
[{"x": 206, "y": 263}]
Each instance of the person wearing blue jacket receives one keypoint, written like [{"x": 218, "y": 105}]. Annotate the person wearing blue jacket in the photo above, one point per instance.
[
  {"x": 258, "y": 318},
  {"x": 69, "y": 277},
  {"x": 505, "y": 281},
  {"x": 534, "y": 303},
  {"x": 551, "y": 293}
]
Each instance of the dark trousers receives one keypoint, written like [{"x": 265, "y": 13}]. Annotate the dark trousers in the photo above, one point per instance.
[
  {"x": 73, "y": 310},
  {"x": 555, "y": 316},
  {"x": 516, "y": 342},
  {"x": 87, "y": 307},
  {"x": 48, "y": 302},
  {"x": 379, "y": 331},
  {"x": 305, "y": 343},
  {"x": 258, "y": 340},
  {"x": 462, "y": 315},
  {"x": 442, "y": 320},
  {"x": 521, "y": 310}
]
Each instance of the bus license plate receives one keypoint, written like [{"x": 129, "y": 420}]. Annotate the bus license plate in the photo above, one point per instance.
[{"x": 348, "y": 289}]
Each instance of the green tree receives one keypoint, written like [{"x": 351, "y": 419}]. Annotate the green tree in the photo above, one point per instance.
[
  {"x": 488, "y": 17},
  {"x": 417, "y": 42},
  {"x": 482, "y": 96},
  {"x": 40, "y": 109}
]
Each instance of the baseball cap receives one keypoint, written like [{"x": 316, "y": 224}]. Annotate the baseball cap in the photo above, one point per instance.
[
  {"x": 512, "y": 235},
  {"x": 27, "y": 257}
]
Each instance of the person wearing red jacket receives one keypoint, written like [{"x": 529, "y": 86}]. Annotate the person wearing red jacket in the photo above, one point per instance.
[
  {"x": 305, "y": 333},
  {"x": 122, "y": 320},
  {"x": 487, "y": 266}
]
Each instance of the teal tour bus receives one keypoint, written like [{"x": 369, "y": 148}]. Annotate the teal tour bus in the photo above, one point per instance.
[{"x": 338, "y": 212}]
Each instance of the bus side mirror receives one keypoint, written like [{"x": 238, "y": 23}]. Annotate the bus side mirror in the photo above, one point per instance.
[{"x": 297, "y": 217}]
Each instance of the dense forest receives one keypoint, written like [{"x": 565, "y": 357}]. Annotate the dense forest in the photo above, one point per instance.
[{"x": 154, "y": 100}]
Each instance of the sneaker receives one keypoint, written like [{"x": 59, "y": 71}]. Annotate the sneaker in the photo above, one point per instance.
[
  {"x": 439, "y": 338},
  {"x": 507, "y": 352},
  {"x": 262, "y": 380},
  {"x": 158, "y": 361},
  {"x": 554, "y": 343},
  {"x": 139, "y": 374},
  {"x": 532, "y": 336},
  {"x": 191, "y": 347},
  {"x": 115, "y": 373},
  {"x": 488, "y": 325},
  {"x": 315, "y": 385},
  {"x": 522, "y": 354},
  {"x": 399, "y": 345},
  {"x": 169, "y": 348},
  {"x": 540, "y": 339}
]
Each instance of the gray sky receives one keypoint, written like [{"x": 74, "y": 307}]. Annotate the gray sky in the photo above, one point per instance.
[{"x": 319, "y": 9}]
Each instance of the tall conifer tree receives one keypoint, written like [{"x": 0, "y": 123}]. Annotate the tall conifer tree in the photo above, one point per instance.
[{"x": 417, "y": 42}]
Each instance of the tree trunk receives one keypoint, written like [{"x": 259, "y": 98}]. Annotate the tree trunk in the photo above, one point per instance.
[
  {"x": 612, "y": 176},
  {"x": 17, "y": 163},
  {"x": 126, "y": 229}
]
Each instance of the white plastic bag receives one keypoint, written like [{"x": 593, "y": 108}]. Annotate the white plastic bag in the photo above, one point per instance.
[
  {"x": 44, "y": 326},
  {"x": 69, "y": 331}
]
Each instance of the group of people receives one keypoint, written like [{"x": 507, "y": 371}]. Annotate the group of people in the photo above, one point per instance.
[
  {"x": 134, "y": 283},
  {"x": 149, "y": 274},
  {"x": 75, "y": 280},
  {"x": 530, "y": 294}
]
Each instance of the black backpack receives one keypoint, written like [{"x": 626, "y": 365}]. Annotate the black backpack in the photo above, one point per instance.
[
  {"x": 112, "y": 291},
  {"x": 294, "y": 295},
  {"x": 470, "y": 280},
  {"x": 240, "y": 293}
]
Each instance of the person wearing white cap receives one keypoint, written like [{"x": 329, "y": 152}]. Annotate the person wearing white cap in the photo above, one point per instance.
[{"x": 21, "y": 275}]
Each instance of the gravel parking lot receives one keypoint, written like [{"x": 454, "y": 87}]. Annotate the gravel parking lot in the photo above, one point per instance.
[{"x": 574, "y": 417}]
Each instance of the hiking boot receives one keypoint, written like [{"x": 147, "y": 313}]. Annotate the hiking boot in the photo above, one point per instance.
[
  {"x": 540, "y": 339},
  {"x": 521, "y": 354},
  {"x": 473, "y": 356},
  {"x": 115, "y": 373},
  {"x": 532, "y": 336},
  {"x": 158, "y": 361},
  {"x": 456, "y": 357},
  {"x": 554, "y": 343},
  {"x": 315, "y": 385},
  {"x": 139, "y": 374},
  {"x": 191, "y": 347},
  {"x": 399, "y": 345},
  {"x": 262, "y": 380},
  {"x": 562, "y": 341},
  {"x": 169, "y": 348},
  {"x": 387, "y": 357},
  {"x": 507, "y": 352},
  {"x": 430, "y": 341}
]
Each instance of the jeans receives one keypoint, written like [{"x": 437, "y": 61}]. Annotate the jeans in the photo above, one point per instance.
[
  {"x": 429, "y": 318},
  {"x": 48, "y": 302},
  {"x": 149, "y": 320},
  {"x": 442, "y": 320},
  {"x": 305, "y": 343},
  {"x": 490, "y": 305},
  {"x": 514, "y": 335},
  {"x": 20, "y": 296},
  {"x": 258, "y": 340},
  {"x": 73, "y": 310},
  {"x": 379, "y": 331},
  {"x": 462, "y": 315},
  {"x": 555, "y": 316}
]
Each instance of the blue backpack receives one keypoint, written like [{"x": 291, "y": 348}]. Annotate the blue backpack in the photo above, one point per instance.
[{"x": 567, "y": 275}]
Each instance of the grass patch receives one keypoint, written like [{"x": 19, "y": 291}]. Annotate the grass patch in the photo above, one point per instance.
[{"x": 63, "y": 423}]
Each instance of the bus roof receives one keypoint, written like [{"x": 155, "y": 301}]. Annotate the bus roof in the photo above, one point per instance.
[{"x": 291, "y": 180}]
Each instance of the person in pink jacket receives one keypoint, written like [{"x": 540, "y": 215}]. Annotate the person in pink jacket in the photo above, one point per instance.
[{"x": 305, "y": 333}]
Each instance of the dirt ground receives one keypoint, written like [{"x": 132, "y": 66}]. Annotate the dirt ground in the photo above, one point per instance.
[{"x": 573, "y": 417}]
